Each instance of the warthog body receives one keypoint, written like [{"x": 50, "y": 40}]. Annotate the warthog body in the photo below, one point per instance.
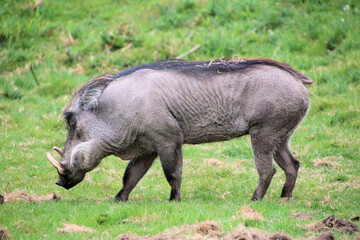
[{"x": 152, "y": 110}]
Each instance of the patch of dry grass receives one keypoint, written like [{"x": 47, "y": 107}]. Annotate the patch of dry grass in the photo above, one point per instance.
[{"x": 73, "y": 228}]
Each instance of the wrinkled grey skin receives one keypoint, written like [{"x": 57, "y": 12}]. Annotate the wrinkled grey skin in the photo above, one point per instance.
[{"x": 151, "y": 112}]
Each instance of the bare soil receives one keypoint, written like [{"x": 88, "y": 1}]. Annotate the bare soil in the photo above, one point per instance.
[
  {"x": 207, "y": 230},
  {"x": 332, "y": 223},
  {"x": 203, "y": 230},
  {"x": 25, "y": 197},
  {"x": 215, "y": 162},
  {"x": 4, "y": 234},
  {"x": 248, "y": 213},
  {"x": 301, "y": 216},
  {"x": 72, "y": 228},
  {"x": 210, "y": 230},
  {"x": 326, "y": 236},
  {"x": 243, "y": 233}
]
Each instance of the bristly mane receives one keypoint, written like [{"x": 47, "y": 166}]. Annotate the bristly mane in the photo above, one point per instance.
[{"x": 217, "y": 66}]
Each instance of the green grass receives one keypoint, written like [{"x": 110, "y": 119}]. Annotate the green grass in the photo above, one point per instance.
[{"x": 69, "y": 42}]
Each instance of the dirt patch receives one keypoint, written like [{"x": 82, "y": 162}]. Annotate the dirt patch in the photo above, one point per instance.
[
  {"x": 23, "y": 196},
  {"x": 203, "y": 230},
  {"x": 248, "y": 213},
  {"x": 208, "y": 228},
  {"x": 279, "y": 236},
  {"x": 215, "y": 162},
  {"x": 326, "y": 236},
  {"x": 211, "y": 230},
  {"x": 242, "y": 233},
  {"x": 346, "y": 226},
  {"x": 128, "y": 236},
  {"x": 71, "y": 228},
  {"x": 327, "y": 161},
  {"x": 17, "y": 196},
  {"x": 4, "y": 234},
  {"x": 301, "y": 216},
  {"x": 332, "y": 223}
]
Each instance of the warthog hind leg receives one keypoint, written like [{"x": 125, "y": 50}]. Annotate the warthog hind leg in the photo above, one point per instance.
[{"x": 286, "y": 160}]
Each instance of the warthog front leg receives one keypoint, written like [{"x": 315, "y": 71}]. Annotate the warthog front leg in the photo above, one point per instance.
[
  {"x": 171, "y": 161},
  {"x": 135, "y": 170}
]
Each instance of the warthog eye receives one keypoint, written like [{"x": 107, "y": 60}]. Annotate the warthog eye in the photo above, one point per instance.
[{"x": 70, "y": 120}]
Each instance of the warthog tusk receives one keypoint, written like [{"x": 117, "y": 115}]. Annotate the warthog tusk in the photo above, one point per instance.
[
  {"x": 59, "y": 151},
  {"x": 55, "y": 163}
]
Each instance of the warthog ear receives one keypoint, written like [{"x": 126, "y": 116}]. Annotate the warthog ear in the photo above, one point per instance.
[{"x": 91, "y": 96}]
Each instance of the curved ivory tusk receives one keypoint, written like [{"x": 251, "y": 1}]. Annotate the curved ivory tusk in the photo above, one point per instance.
[
  {"x": 59, "y": 151},
  {"x": 55, "y": 163}
]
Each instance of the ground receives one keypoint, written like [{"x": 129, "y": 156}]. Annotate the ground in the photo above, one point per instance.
[{"x": 50, "y": 48}]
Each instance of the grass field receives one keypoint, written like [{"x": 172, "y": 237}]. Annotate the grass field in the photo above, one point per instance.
[{"x": 69, "y": 42}]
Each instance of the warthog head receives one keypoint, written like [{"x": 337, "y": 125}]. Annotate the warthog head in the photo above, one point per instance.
[{"x": 88, "y": 136}]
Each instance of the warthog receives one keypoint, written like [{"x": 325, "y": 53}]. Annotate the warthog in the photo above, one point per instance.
[{"x": 152, "y": 110}]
